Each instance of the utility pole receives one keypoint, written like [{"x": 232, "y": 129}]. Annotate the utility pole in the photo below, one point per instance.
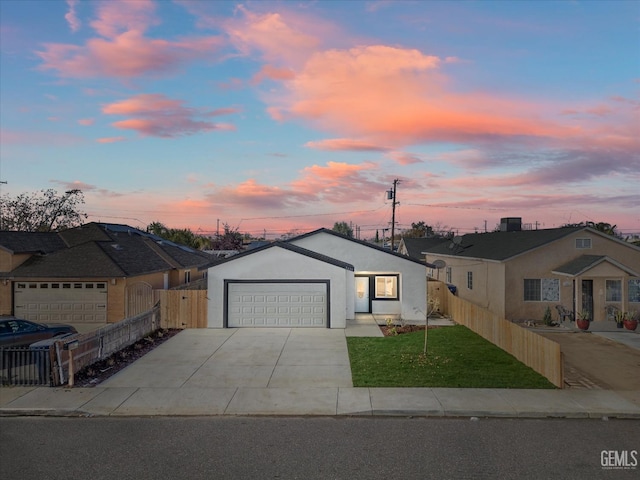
[
  {"x": 391, "y": 195},
  {"x": 1, "y": 217}
]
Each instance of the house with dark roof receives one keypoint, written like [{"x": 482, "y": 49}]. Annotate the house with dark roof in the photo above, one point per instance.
[
  {"x": 90, "y": 275},
  {"x": 518, "y": 273},
  {"x": 318, "y": 279}
]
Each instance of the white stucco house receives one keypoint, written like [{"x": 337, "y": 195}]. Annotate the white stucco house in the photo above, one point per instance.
[{"x": 319, "y": 279}]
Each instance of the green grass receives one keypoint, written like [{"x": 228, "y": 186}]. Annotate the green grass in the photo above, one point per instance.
[{"x": 456, "y": 357}]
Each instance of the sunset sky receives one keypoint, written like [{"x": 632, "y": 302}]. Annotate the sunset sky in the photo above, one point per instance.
[{"x": 278, "y": 116}]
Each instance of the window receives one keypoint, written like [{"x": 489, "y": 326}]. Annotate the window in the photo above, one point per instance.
[
  {"x": 470, "y": 280},
  {"x": 448, "y": 274},
  {"x": 187, "y": 276},
  {"x": 387, "y": 286},
  {"x": 541, "y": 290},
  {"x": 583, "y": 243},
  {"x": 634, "y": 290},
  {"x": 614, "y": 290}
]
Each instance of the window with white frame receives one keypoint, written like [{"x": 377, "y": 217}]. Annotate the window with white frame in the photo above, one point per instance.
[
  {"x": 583, "y": 243},
  {"x": 541, "y": 290},
  {"x": 614, "y": 290},
  {"x": 187, "y": 276},
  {"x": 634, "y": 290},
  {"x": 470, "y": 280},
  {"x": 448, "y": 274},
  {"x": 386, "y": 287}
]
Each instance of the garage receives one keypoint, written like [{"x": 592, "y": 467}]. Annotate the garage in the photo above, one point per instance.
[
  {"x": 278, "y": 286},
  {"x": 61, "y": 302},
  {"x": 283, "y": 303}
]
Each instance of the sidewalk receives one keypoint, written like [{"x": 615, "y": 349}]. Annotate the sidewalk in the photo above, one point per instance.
[{"x": 290, "y": 372}]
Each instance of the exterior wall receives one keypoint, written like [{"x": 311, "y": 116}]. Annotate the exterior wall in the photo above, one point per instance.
[
  {"x": 500, "y": 285},
  {"x": 412, "y": 303},
  {"x": 8, "y": 261},
  {"x": 6, "y": 297},
  {"x": 278, "y": 263}
]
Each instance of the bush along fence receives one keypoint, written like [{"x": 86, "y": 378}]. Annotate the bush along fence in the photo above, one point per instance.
[
  {"x": 535, "y": 351},
  {"x": 53, "y": 362}
]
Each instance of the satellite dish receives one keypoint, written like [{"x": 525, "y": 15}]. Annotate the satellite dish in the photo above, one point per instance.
[
  {"x": 439, "y": 264},
  {"x": 457, "y": 240}
]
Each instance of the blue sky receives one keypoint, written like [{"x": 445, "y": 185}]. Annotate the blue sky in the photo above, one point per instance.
[{"x": 282, "y": 116}]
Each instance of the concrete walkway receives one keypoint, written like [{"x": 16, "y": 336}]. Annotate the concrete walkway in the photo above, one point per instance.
[{"x": 289, "y": 371}]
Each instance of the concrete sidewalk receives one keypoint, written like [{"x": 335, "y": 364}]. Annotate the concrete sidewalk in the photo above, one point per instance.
[{"x": 289, "y": 371}]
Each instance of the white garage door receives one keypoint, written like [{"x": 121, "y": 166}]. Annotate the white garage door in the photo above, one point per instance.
[
  {"x": 277, "y": 305},
  {"x": 62, "y": 302}
]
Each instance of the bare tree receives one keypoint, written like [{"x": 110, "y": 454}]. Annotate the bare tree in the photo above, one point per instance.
[{"x": 43, "y": 211}]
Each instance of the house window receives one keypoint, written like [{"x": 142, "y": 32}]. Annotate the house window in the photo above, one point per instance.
[
  {"x": 614, "y": 290},
  {"x": 448, "y": 274},
  {"x": 634, "y": 290},
  {"x": 470, "y": 280},
  {"x": 583, "y": 243},
  {"x": 387, "y": 286},
  {"x": 187, "y": 276},
  {"x": 541, "y": 290}
]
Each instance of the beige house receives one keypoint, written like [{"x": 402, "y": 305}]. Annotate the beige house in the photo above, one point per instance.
[
  {"x": 517, "y": 274},
  {"x": 90, "y": 275}
]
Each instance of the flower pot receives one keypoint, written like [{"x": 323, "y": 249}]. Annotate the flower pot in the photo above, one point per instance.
[
  {"x": 582, "y": 324},
  {"x": 630, "y": 324},
  {"x": 619, "y": 325}
]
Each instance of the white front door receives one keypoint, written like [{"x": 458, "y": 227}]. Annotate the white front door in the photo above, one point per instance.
[{"x": 362, "y": 295}]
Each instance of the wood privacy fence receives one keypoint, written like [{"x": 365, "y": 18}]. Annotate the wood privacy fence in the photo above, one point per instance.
[
  {"x": 539, "y": 353},
  {"x": 183, "y": 308}
]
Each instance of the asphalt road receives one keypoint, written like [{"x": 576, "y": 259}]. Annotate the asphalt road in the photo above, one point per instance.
[{"x": 310, "y": 448}]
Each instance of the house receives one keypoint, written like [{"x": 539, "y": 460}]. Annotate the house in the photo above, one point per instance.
[
  {"x": 318, "y": 279},
  {"x": 518, "y": 273},
  {"x": 90, "y": 275},
  {"x": 414, "y": 248}
]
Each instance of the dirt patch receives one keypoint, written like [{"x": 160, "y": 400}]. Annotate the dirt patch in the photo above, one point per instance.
[
  {"x": 98, "y": 372},
  {"x": 598, "y": 361},
  {"x": 397, "y": 330}
]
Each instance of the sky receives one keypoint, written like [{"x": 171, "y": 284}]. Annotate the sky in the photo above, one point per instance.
[{"x": 278, "y": 117}]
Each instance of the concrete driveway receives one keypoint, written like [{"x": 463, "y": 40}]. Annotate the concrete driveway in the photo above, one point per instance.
[{"x": 250, "y": 357}]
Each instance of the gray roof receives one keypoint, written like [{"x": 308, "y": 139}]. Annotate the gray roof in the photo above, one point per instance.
[
  {"x": 30, "y": 242},
  {"x": 361, "y": 242},
  {"x": 291, "y": 248},
  {"x": 99, "y": 250},
  {"x": 500, "y": 245},
  {"x": 583, "y": 263},
  {"x": 415, "y": 246}
]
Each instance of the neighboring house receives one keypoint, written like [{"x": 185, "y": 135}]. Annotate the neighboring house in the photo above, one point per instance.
[
  {"x": 90, "y": 275},
  {"x": 319, "y": 279},
  {"x": 414, "y": 248},
  {"x": 518, "y": 273}
]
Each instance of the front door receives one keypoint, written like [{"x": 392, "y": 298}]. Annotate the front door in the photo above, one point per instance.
[
  {"x": 362, "y": 295},
  {"x": 587, "y": 297}
]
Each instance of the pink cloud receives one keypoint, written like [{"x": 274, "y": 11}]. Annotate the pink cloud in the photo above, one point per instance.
[
  {"x": 333, "y": 144},
  {"x": 86, "y": 121},
  {"x": 160, "y": 116},
  {"x": 110, "y": 139},
  {"x": 71, "y": 17},
  {"x": 404, "y": 158},
  {"x": 273, "y": 73},
  {"x": 124, "y": 51}
]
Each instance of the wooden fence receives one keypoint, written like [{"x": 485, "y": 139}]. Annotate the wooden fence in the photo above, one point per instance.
[
  {"x": 539, "y": 353},
  {"x": 183, "y": 308}
]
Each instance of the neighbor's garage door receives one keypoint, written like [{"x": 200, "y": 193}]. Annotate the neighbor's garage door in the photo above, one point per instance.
[
  {"x": 67, "y": 302},
  {"x": 277, "y": 305}
]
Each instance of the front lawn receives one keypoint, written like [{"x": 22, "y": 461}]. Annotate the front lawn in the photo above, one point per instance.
[{"x": 457, "y": 357}]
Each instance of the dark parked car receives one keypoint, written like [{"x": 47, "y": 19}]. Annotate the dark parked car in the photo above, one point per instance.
[{"x": 16, "y": 332}]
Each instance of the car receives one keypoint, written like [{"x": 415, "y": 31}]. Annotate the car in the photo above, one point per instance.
[{"x": 17, "y": 332}]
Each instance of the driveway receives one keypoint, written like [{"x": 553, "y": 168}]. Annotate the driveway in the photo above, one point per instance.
[{"x": 249, "y": 357}]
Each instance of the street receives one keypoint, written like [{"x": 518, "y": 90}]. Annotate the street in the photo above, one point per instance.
[{"x": 316, "y": 447}]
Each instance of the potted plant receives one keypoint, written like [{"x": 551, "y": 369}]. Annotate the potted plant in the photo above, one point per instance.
[
  {"x": 619, "y": 318},
  {"x": 582, "y": 320},
  {"x": 631, "y": 320}
]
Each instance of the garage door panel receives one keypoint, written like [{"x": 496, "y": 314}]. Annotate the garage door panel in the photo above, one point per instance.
[{"x": 277, "y": 305}]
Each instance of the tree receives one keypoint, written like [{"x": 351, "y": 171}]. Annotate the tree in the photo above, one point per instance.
[
  {"x": 600, "y": 226},
  {"x": 231, "y": 239},
  {"x": 43, "y": 211},
  {"x": 343, "y": 228},
  {"x": 183, "y": 236},
  {"x": 418, "y": 230}
]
